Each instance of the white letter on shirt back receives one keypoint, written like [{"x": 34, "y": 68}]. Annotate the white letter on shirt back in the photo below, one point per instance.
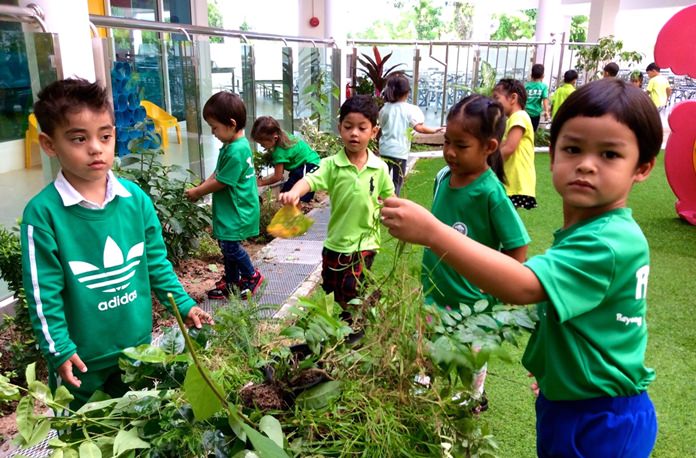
[{"x": 642, "y": 282}]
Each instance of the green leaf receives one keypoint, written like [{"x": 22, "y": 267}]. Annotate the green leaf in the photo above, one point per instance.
[
  {"x": 319, "y": 396},
  {"x": 480, "y": 306},
  {"x": 201, "y": 397},
  {"x": 128, "y": 440},
  {"x": 40, "y": 391},
  {"x": 41, "y": 429},
  {"x": 30, "y": 373},
  {"x": 89, "y": 450},
  {"x": 62, "y": 396},
  {"x": 8, "y": 391},
  {"x": 293, "y": 332},
  {"x": 264, "y": 446},
  {"x": 237, "y": 425},
  {"x": 147, "y": 353},
  {"x": 25, "y": 418},
  {"x": 270, "y": 426}
]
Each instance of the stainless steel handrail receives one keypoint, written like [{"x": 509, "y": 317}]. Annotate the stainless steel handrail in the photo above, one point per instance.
[
  {"x": 126, "y": 23},
  {"x": 358, "y": 42},
  {"x": 29, "y": 14}
]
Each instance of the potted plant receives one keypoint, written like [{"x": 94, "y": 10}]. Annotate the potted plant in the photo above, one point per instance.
[{"x": 375, "y": 69}]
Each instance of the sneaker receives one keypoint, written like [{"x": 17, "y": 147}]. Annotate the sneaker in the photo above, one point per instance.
[
  {"x": 222, "y": 283},
  {"x": 249, "y": 286},
  {"x": 219, "y": 294}
]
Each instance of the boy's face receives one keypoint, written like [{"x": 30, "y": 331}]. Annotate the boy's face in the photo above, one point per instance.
[
  {"x": 652, "y": 73},
  {"x": 84, "y": 146},
  {"x": 224, "y": 133},
  {"x": 356, "y": 131},
  {"x": 594, "y": 165}
]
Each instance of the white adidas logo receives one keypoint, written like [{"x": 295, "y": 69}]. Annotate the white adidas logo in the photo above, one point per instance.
[{"x": 117, "y": 271}]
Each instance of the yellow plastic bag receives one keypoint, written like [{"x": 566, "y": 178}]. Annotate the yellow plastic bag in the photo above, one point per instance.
[{"x": 289, "y": 222}]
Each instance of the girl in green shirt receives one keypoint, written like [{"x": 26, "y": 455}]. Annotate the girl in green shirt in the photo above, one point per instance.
[{"x": 288, "y": 153}]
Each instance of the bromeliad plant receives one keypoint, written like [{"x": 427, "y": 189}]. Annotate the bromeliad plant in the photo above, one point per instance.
[{"x": 376, "y": 70}]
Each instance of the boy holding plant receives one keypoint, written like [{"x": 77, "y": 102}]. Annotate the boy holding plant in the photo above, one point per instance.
[
  {"x": 92, "y": 249},
  {"x": 356, "y": 179}
]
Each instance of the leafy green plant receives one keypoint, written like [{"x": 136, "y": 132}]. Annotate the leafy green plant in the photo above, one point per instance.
[
  {"x": 542, "y": 137},
  {"x": 589, "y": 58},
  {"x": 376, "y": 70},
  {"x": 22, "y": 349},
  {"x": 324, "y": 143},
  {"x": 181, "y": 219}
]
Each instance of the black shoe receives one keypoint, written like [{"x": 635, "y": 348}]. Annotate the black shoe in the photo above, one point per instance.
[
  {"x": 249, "y": 286},
  {"x": 219, "y": 294}
]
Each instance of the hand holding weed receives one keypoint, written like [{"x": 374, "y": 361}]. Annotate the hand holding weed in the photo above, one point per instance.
[
  {"x": 192, "y": 194},
  {"x": 291, "y": 197},
  {"x": 65, "y": 370},
  {"x": 197, "y": 316},
  {"x": 408, "y": 221}
]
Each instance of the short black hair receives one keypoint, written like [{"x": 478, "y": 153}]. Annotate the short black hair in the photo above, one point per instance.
[
  {"x": 225, "y": 106},
  {"x": 570, "y": 76},
  {"x": 513, "y": 86},
  {"x": 537, "y": 71},
  {"x": 652, "y": 66},
  {"x": 626, "y": 103},
  {"x": 363, "y": 104},
  {"x": 612, "y": 69},
  {"x": 397, "y": 87},
  {"x": 68, "y": 96}
]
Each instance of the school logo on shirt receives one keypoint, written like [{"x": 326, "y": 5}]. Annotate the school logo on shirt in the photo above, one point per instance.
[
  {"x": 460, "y": 227},
  {"x": 116, "y": 272}
]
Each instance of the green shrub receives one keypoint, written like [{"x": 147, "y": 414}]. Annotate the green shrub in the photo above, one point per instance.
[{"x": 182, "y": 221}]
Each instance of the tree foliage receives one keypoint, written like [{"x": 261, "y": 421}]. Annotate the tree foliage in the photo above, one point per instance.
[
  {"x": 462, "y": 20},
  {"x": 418, "y": 20},
  {"x": 516, "y": 26},
  {"x": 590, "y": 58},
  {"x": 214, "y": 19}
]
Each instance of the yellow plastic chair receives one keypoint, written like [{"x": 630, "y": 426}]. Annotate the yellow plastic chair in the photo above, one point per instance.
[
  {"x": 163, "y": 121},
  {"x": 31, "y": 135}
]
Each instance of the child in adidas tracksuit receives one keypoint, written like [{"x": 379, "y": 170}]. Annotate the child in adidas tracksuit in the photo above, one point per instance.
[{"x": 92, "y": 249}]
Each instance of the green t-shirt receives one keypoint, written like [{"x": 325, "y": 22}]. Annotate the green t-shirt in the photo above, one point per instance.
[
  {"x": 354, "y": 222},
  {"x": 536, "y": 92},
  {"x": 481, "y": 211},
  {"x": 591, "y": 337},
  {"x": 236, "y": 207},
  {"x": 560, "y": 96},
  {"x": 88, "y": 275},
  {"x": 519, "y": 166},
  {"x": 297, "y": 155}
]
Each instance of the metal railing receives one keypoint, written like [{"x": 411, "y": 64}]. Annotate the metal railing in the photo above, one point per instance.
[
  {"x": 32, "y": 14},
  {"x": 189, "y": 29}
]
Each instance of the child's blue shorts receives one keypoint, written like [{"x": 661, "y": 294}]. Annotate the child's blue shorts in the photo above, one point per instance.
[{"x": 619, "y": 427}]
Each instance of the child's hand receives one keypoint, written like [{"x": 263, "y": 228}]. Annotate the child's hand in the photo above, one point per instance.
[
  {"x": 65, "y": 370},
  {"x": 408, "y": 221},
  {"x": 289, "y": 198},
  {"x": 534, "y": 385},
  {"x": 192, "y": 194},
  {"x": 197, "y": 316}
]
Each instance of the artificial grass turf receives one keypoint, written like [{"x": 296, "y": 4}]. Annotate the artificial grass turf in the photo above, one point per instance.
[{"x": 671, "y": 300}]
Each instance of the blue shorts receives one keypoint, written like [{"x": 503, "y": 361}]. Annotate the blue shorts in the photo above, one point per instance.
[{"x": 597, "y": 428}]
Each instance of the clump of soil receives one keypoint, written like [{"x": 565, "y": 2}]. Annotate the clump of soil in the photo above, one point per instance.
[{"x": 264, "y": 396}]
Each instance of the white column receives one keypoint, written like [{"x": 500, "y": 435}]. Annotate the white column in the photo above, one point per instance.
[
  {"x": 69, "y": 19},
  {"x": 549, "y": 20},
  {"x": 602, "y": 19},
  {"x": 307, "y": 8}
]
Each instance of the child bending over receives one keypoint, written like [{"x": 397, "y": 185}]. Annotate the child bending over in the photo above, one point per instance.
[{"x": 288, "y": 153}]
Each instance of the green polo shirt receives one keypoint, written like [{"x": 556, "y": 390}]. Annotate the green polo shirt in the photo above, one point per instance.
[
  {"x": 236, "y": 207},
  {"x": 298, "y": 154},
  {"x": 560, "y": 96},
  {"x": 354, "y": 222},
  {"x": 591, "y": 337}
]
